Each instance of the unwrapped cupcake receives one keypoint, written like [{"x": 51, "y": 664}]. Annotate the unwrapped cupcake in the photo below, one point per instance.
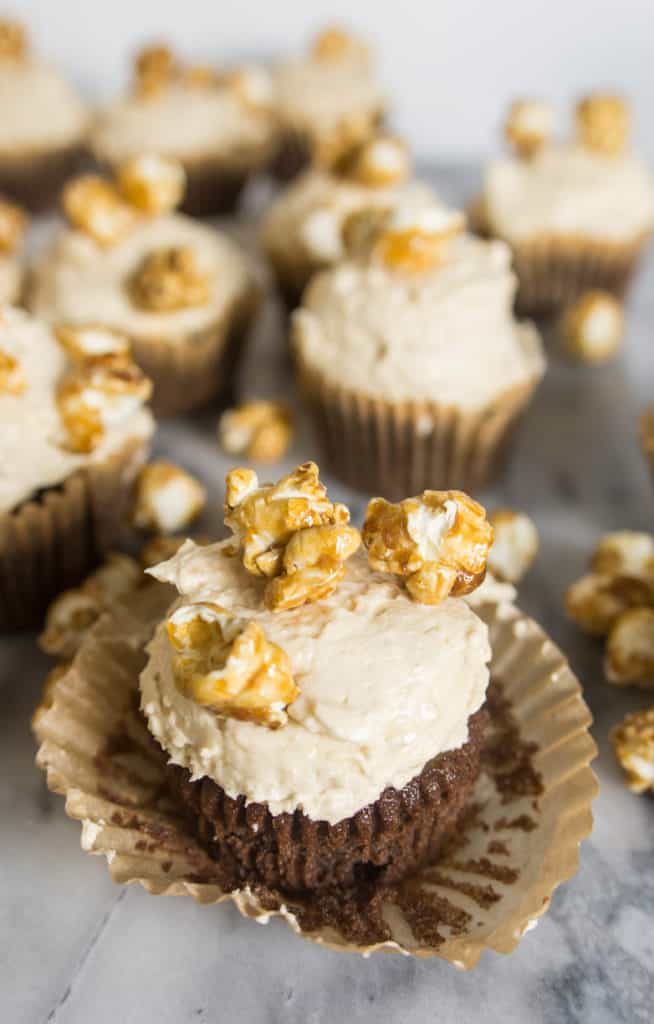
[
  {"x": 413, "y": 367},
  {"x": 220, "y": 126},
  {"x": 576, "y": 214},
  {"x": 182, "y": 292},
  {"x": 43, "y": 123},
  {"x": 74, "y": 432},
  {"x": 302, "y": 229},
  {"x": 326, "y": 101}
]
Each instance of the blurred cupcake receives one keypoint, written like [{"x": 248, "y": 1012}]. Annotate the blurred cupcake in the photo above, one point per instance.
[
  {"x": 43, "y": 123},
  {"x": 182, "y": 292},
  {"x": 578, "y": 214},
  {"x": 327, "y": 102},
  {"x": 13, "y": 223},
  {"x": 647, "y": 435},
  {"x": 413, "y": 368},
  {"x": 73, "y": 434},
  {"x": 302, "y": 229},
  {"x": 218, "y": 126}
]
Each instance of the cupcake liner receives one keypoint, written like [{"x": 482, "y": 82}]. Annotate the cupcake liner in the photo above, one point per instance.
[
  {"x": 530, "y": 809},
  {"x": 35, "y": 180},
  {"x": 399, "y": 448},
  {"x": 190, "y": 371},
  {"x": 53, "y": 540},
  {"x": 647, "y": 436}
]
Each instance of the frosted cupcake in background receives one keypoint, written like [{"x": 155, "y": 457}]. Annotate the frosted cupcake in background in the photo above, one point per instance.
[
  {"x": 411, "y": 363},
  {"x": 218, "y": 125},
  {"x": 43, "y": 123},
  {"x": 577, "y": 214}
]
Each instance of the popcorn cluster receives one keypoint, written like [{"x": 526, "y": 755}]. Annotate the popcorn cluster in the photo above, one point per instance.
[
  {"x": 406, "y": 239},
  {"x": 633, "y": 743},
  {"x": 528, "y": 126},
  {"x": 167, "y": 498},
  {"x": 376, "y": 163},
  {"x": 515, "y": 544},
  {"x": 260, "y": 430},
  {"x": 602, "y": 124},
  {"x": 96, "y": 395},
  {"x": 168, "y": 280},
  {"x": 592, "y": 328}
]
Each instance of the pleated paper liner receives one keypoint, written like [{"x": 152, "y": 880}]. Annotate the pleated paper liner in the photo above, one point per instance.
[
  {"x": 530, "y": 810},
  {"x": 647, "y": 436},
  {"x": 52, "y": 541},
  {"x": 400, "y": 448},
  {"x": 35, "y": 178},
  {"x": 554, "y": 270}
]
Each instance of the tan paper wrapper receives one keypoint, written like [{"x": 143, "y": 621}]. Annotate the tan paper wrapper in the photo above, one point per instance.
[
  {"x": 96, "y": 750},
  {"x": 400, "y": 448},
  {"x": 554, "y": 270},
  {"x": 647, "y": 436},
  {"x": 52, "y": 542}
]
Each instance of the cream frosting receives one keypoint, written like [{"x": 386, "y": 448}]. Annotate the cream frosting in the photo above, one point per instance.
[
  {"x": 304, "y": 224},
  {"x": 387, "y": 684},
  {"x": 79, "y": 281},
  {"x": 569, "y": 190},
  {"x": 38, "y": 108},
  {"x": 447, "y": 335},
  {"x": 315, "y": 96},
  {"x": 31, "y": 435},
  {"x": 187, "y": 123}
]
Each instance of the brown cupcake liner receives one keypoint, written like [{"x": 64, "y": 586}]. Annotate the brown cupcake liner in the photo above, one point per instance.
[
  {"x": 647, "y": 436},
  {"x": 35, "y": 180},
  {"x": 382, "y": 842},
  {"x": 190, "y": 371},
  {"x": 399, "y": 448},
  {"x": 53, "y": 540},
  {"x": 554, "y": 270},
  {"x": 529, "y": 811}
]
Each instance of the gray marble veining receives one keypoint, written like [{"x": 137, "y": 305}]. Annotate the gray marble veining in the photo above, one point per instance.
[{"x": 75, "y": 949}]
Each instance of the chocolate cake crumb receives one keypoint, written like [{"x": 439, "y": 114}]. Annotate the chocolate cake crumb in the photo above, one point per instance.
[
  {"x": 506, "y": 757},
  {"x": 523, "y": 823},
  {"x": 498, "y": 848}
]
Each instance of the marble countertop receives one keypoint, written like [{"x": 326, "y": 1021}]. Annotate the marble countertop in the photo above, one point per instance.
[{"x": 76, "y": 949}]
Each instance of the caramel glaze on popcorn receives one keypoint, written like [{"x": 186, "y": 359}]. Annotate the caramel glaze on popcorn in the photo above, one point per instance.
[
  {"x": 633, "y": 743},
  {"x": 13, "y": 40},
  {"x": 603, "y": 123},
  {"x": 95, "y": 206},
  {"x": 169, "y": 280},
  {"x": 91, "y": 393},
  {"x": 12, "y": 378}
]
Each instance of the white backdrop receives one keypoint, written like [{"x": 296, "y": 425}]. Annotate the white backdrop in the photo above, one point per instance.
[{"x": 450, "y": 65}]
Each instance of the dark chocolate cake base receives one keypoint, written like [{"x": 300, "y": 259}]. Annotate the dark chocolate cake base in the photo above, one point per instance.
[{"x": 384, "y": 841}]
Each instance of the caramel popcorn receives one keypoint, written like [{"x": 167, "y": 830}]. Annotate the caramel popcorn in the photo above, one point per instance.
[
  {"x": 362, "y": 229},
  {"x": 633, "y": 743},
  {"x": 252, "y": 86},
  {"x": 200, "y": 76},
  {"x": 154, "y": 69},
  {"x": 13, "y": 40},
  {"x": 85, "y": 343},
  {"x": 260, "y": 430},
  {"x": 377, "y": 163},
  {"x": 312, "y": 565},
  {"x": 593, "y": 327},
  {"x": 12, "y": 226},
  {"x": 169, "y": 280},
  {"x": 167, "y": 498},
  {"x": 335, "y": 43},
  {"x": 263, "y": 518},
  {"x": 528, "y": 126},
  {"x": 630, "y": 649},
  {"x": 96, "y": 207},
  {"x": 438, "y": 541},
  {"x": 515, "y": 544},
  {"x": 625, "y": 553},
  {"x": 229, "y": 666},
  {"x": 93, "y": 396},
  {"x": 417, "y": 240},
  {"x": 151, "y": 183},
  {"x": 595, "y": 601},
  {"x": 12, "y": 378},
  {"x": 603, "y": 123}
]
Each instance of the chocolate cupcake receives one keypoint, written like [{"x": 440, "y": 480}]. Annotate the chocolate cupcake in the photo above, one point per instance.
[
  {"x": 181, "y": 292},
  {"x": 326, "y": 102},
  {"x": 578, "y": 214},
  {"x": 219, "y": 126},
  {"x": 43, "y": 123},
  {"x": 322, "y": 720},
  {"x": 301, "y": 231},
  {"x": 414, "y": 371},
  {"x": 73, "y": 435}
]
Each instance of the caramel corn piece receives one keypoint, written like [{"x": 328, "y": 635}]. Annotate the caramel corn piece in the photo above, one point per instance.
[
  {"x": 595, "y": 601},
  {"x": 167, "y": 499},
  {"x": 438, "y": 541},
  {"x": 86, "y": 343},
  {"x": 515, "y": 544},
  {"x": 94, "y": 396},
  {"x": 528, "y": 126},
  {"x": 253, "y": 87},
  {"x": 625, "y": 553},
  {"x": 593, "y": 327},
  {"x": 603, "y": 123},
  {"x": 169, "y": 280},
  {"x": 260, "y": 430},
  {"x": 334, "y": 43},
  {"x": 95, "y": 207},
  {"x": 312, "y": 566},
  {"x": 630, "y": 649},
  {"x": 377, "y": 163},
  {"x": 154, "y": 69},
  {"x": 415, "y": 241},
  {"x": 152, "y": 183},
  {"x": 633, "y": 743},
  {"x": 13, "y": 40}
]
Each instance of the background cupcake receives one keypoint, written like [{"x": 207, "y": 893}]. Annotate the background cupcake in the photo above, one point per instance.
[{"x": 13, "y": 224}]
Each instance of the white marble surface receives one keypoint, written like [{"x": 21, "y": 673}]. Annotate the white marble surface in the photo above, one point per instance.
[{"x": 75, "y": 949}]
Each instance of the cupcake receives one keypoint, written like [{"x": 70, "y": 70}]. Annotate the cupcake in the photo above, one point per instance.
[
  {"x": 322, "y": 725},
  {"x": 43, "y": 123},
  {"x": 218, "y": 126},
  {"x": 326, "y": 102},
  {"x": 12, "y": 231},
  {"x": 182, "y": 292},
  {"x": 412, "y": 365},
  {"x": 302, "y": 229},
  {"x": 73, "y": 434},
  {"x": 577, "y": 214}
]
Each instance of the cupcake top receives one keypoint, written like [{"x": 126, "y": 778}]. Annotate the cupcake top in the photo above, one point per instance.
[
  {"x": 38, "y": 108},
  {"x": 305, "y": 223},
  {"x": 136, "y": 266},
  {"x": 332, "y": 91},
  {"x": 418, "y": 318},
  {"x": 590, "y": 187},
  {"x": 56, "y": 414},
  {"x": 190, "y": 114}
]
